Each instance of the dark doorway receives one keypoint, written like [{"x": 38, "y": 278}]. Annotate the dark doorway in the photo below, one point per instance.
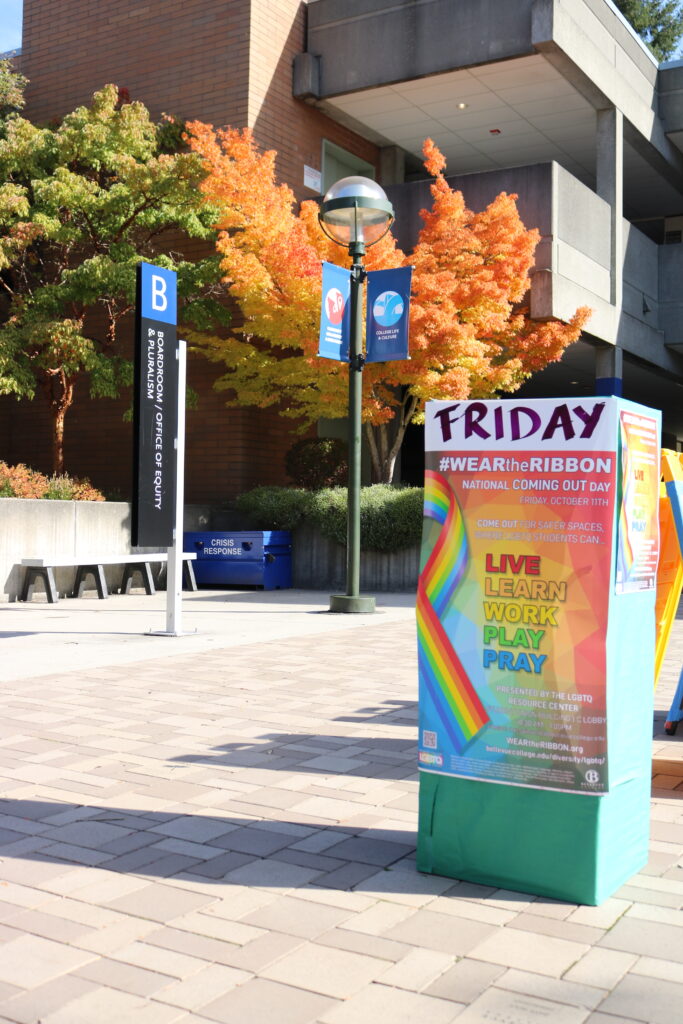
[{"x": 413, "y": 456}]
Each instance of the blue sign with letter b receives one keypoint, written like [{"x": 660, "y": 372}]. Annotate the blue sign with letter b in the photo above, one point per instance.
[{"x": 158, "y": 294}]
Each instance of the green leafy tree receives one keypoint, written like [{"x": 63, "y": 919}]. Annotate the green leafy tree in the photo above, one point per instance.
[
  {"x": 80, "y": 205},
  {"x": 659, "y": 23},
  {"x": 12, "y": 86}
]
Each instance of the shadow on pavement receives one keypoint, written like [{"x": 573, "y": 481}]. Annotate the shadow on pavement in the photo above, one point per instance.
[
  {"x": 224, "y": 848},
  {"x": 378, "y": 758}
]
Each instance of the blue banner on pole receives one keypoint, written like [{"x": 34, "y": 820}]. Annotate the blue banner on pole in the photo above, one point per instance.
[
  {"x": 388, "y": 314},
  {"x": 335, "y": 314}
]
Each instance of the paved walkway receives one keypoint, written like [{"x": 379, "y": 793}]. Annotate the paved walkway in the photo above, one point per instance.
[{"x": 220, "y": 828}]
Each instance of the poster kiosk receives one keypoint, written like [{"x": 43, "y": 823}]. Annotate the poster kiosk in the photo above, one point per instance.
[{"x": 536, "y": 637}]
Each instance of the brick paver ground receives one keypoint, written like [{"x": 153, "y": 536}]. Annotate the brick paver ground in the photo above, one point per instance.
[{"x": 228, "y": 836}]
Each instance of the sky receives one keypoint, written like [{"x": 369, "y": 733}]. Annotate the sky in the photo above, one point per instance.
[{"x": 10, "y": 24}]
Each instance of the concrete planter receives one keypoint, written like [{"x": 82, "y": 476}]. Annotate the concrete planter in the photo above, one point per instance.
[
  {"x": 31, "y": 528},
  {"x": 34, "y": 528}
]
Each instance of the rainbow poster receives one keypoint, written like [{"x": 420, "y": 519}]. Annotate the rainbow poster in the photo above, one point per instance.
[
  {"x": 513, "y": 596},
  {"x": 638, "y": 533}
]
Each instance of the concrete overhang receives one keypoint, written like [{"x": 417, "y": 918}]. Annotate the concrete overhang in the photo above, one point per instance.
[
  {"x": 494, "y": 84},
  {"x": 670, "y": 90}
]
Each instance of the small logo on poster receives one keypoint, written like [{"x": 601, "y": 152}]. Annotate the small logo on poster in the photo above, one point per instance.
[
  {"x": 436, "y": 760},
  {"x": 334, "y": 306},
  {"x": 592, "y": 777},
  {"x": 388, "y": 308}
]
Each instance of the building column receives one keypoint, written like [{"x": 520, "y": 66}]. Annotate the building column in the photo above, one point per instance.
[
  {"x": 392, "y": 165},
  {"x": 609, "y": 178},
  {"x": 609, "y": 370}
]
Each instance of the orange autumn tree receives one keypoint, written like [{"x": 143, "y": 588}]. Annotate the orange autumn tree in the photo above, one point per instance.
[{"x": 469, "y": 337}]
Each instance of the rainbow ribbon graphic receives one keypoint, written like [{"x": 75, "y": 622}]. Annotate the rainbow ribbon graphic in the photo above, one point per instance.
[{"x": 453, "y": 695}]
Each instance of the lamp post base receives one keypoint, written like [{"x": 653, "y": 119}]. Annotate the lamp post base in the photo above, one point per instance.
[{"x": 352, "y": 605}]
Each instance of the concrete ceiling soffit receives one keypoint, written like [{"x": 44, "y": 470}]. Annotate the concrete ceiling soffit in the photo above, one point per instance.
[
  {"x": 365, "y": 131},
  {"x": 306, "y": 87},
  {"x": 667, "y": 164}
]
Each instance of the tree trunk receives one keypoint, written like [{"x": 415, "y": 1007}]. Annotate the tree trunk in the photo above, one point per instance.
[
  {"x": 386, "y": 439},
  {"x": 58, "y": 415},
  {"x": 60, "y": 393}
]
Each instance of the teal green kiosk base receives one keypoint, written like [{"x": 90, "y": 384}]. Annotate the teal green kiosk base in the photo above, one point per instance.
[{"x": 568, "y": 847}]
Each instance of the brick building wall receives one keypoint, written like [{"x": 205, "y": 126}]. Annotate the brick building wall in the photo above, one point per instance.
[
  {"x": 220, "y": 61},
  {"x": 186, "y": 57},
  {"x": 280, "y": 122}
]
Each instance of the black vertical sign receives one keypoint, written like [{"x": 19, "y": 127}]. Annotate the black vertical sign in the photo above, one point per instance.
[{"x": 155, "y": 408}]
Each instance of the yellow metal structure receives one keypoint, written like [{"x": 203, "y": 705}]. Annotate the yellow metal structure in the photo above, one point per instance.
[{"x": 670, "y": 571}]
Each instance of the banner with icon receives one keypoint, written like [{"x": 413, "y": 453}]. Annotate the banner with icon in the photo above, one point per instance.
[
  {"x": 335, "y": 313},
  {"x": 388, "y": 314}
]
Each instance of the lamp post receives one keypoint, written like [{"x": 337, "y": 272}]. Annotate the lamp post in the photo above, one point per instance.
[{"x": 355, "y": 213}]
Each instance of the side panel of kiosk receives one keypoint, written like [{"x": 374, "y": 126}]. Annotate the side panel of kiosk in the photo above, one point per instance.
[{"x": 536, "y": 634}]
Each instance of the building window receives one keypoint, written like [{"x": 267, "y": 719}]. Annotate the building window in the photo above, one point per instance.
[{"x": 339, "y": 163}]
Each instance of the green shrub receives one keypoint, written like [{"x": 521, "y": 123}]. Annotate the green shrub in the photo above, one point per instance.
[
  {"x": 59, "y": 488},
  {"x": 317, "y": 462},
  {"x": 390, "y": 517},
  {"x": 68, "y": 488},
  {"x": 275, "y": 508},
  {"x": 21, "y": 482}
]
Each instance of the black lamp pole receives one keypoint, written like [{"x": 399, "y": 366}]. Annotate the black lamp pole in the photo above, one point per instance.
[{"x": 355, "y": 213}]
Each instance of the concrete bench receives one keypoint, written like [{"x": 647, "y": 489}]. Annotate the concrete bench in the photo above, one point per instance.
[{"x": 93, "y": 565}]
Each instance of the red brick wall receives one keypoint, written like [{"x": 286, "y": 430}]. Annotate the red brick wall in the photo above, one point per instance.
[
  {"x": 222, "y": 61},
  {"x": 295, "y": 129},
  {"x": 186, "y": 57}
]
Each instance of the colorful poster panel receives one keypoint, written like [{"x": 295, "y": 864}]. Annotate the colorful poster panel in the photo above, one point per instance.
[
  {"x": 638, "y": 536},
  {"x": 514, "y": 590}
]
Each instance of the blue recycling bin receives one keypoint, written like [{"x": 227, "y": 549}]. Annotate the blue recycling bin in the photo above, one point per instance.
[{"x": 255, "y": 558}]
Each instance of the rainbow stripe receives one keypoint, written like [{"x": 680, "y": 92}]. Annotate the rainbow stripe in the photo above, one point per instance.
[{"x": 456, "y": 701}]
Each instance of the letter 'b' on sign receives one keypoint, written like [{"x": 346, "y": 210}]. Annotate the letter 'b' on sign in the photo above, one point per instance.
[
  {"x": 159, "y": 300},
  {"x": 158, "y": 297}
]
